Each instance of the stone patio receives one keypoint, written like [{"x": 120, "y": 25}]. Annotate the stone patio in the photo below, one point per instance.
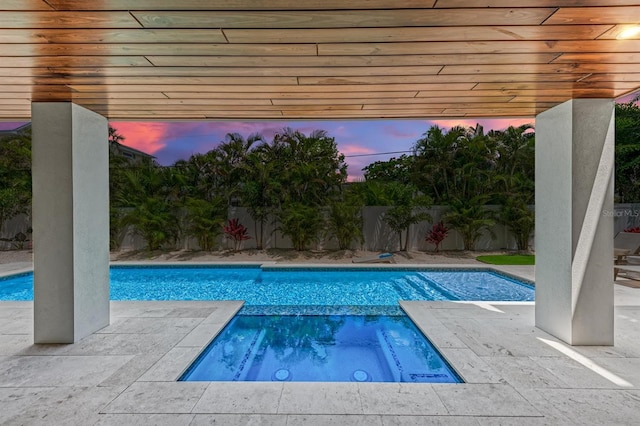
[{"x": 126, "y": 373}]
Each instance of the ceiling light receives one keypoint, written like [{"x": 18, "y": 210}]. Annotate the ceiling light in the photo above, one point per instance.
[{"x": 630, "y": 32}]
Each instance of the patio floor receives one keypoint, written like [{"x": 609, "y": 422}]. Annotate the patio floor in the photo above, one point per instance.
[{"x": 514, "y": 373}]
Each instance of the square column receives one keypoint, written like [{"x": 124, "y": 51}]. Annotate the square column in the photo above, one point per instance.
[
  {"x": 70, "y": 222},
  {"x": 574, "y": 221}
]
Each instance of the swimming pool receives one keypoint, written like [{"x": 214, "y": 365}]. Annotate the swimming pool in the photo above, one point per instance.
[
  {"x": 309, "y": 324},
  {"x": 280, "y": 288}
]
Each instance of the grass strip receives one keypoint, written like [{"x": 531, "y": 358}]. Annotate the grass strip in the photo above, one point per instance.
[{"x": 508, "y": 259}]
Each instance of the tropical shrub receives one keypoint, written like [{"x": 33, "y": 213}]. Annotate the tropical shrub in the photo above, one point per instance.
[
  {"x": 470, "y": 219},
  {"x": 205, "y": 220},
  {"x": 519, "y": 219},
  {"x": 627, "y": 140},
  {"x": 257, "y": 188},
  {"x": 236, "y": 232},
  {"x": 15, "y": 176},
  {"x": 409, "y": 208},
  {"x": 437, "y": 234},
  {"x": 154, "y": 220},
  {"x": 117, "y": 227},
  {"x": 345, "y": 223},
  {"x": 300, "y": 222}
]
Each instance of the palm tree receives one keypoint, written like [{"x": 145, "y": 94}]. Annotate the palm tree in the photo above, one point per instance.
[
  {"x": 231, "y": 156},
  {"x": 150, "y": 202},
  {"x": 300, "y": 222},
  {"x": 257, "y": 190},
  {"x": 470, "y": 219},
  {"x": 312, "y": 168},
  {"x": 205, "y": 220},
  {"x": 435, "y": 153},
  {"x": 514, "y": 170},
  {"x": 311, "y": 172},
  {"x": 519, "y": 219},
  {"x": 345, "y": 223}
]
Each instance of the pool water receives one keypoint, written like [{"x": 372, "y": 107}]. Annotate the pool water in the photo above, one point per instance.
[
  {"x": 343, "y": 348},
  {"x": 296, "y": 287}
]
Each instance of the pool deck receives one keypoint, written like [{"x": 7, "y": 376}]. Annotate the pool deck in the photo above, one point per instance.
[{"x": 125, "y": 374}]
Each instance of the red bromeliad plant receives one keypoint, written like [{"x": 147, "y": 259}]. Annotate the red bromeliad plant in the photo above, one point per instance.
[
  {"x": 237, "y": 232},
  {"x": 635, "y": 230},
  {"x": 437, "y": 234}
]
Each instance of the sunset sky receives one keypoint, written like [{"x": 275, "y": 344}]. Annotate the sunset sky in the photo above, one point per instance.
[
  {"x": 357, "y": 140},
  {"x": 171, "y": 141}
]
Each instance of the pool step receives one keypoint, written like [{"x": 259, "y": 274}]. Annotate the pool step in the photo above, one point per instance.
[
  {"x": 249, "y": 356},
  {"x": 390, "y": 355},
  {"x": 423, "y": 280},
  {"x": 399, "y": 287},
  {"x": 398, "y": 358}
]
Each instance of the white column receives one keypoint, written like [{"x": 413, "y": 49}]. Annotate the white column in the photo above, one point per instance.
[
  {"x": 574, "y": 224},
  {"x": 70, "y": 222}
]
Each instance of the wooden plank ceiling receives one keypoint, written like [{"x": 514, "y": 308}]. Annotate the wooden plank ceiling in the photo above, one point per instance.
[{"x": 320, "y": 59}]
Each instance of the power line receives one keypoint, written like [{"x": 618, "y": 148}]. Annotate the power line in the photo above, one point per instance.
[{"x": 376, "y": 153}]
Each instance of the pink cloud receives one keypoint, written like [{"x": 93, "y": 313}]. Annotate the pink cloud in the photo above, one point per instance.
[
  {"x": 149, "y": 137},
  {"x": 355, "y": 149}
]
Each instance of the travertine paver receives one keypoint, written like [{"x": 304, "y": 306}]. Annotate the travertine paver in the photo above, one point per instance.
[
  {"x": 15, "y": 400},
  {"x": 158, "y": 397},
  {"x": 151, "y": 325},
  {"x": 523, "y": 372},
  {"x": 595, "y": 406},
  {"x": 248, "y": 420},
  {"x": 147, "y": 420},
  {"x": 320, "y": 398},
  {"x": 171, "y": 365},
  {"x": 469, "y": 365},
  {"x": 68, "y": 406},
  {"x": 54, "y": 371},
  {"x": 125, "y": 374},
  {"x": 400, "y": 399},
  {"x": 485, "y": 400},
  {"x": 244, "y": 397},
  {"x": 428, "y": 421}
]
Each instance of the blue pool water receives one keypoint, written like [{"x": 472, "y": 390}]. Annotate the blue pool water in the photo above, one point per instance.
[
  {"x": 321, "y": 348},
  {"x": 296, "y": 287}
]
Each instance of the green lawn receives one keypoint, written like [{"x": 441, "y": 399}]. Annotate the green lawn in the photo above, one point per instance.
[{"x": 508, "y": 259}]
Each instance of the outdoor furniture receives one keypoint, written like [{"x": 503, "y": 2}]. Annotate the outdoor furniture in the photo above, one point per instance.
[
  {"x": 626, "y": 268},
  {"x": 627, "y": 241},
  {"x": 624, "y": 245},
  {"x": 381, "y": 258}
]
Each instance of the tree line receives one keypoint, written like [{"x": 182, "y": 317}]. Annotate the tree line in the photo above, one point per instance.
[{"x": 298, "y": 182}]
